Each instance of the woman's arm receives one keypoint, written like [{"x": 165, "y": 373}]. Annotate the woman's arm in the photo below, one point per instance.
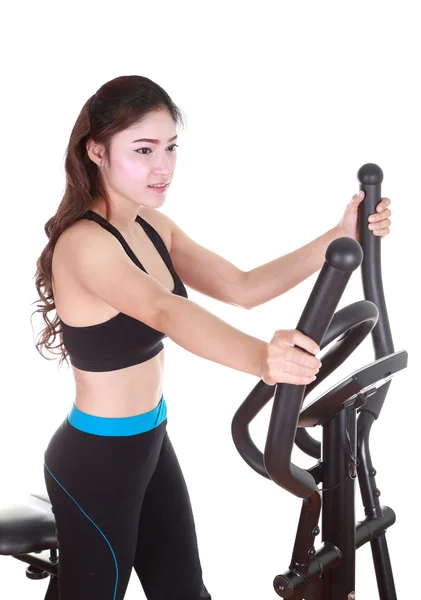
[{"x": 274, "y": 278}]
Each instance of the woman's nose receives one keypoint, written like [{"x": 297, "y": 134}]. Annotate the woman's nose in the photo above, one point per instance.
[{"x": 163, "y": 164}]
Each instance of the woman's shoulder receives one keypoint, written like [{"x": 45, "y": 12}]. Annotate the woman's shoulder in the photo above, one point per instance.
[
  {"x": 160, "y": 222},
  {"x": 76, "y": 232},
  {"x": 72, "y": 234}
]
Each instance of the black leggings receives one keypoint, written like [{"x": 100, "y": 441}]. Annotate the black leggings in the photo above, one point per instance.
[{"x": 120, "y": 501}]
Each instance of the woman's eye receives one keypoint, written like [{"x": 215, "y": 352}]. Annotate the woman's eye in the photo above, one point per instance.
[{"x": 139, "y": 150}]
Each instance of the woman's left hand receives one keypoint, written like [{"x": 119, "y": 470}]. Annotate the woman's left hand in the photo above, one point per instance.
[{"x": 379, "y": 222}]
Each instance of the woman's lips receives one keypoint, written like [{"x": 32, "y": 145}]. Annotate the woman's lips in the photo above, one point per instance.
[{"x": 160, "y": 190}]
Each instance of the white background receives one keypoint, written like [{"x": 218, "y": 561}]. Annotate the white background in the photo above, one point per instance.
[{"x": 284, "y": 101}]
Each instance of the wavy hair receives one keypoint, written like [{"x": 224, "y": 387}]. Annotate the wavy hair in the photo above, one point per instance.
[{"x": 117, "y": 105}]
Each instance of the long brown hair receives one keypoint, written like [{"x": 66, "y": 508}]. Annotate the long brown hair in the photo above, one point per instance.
[{"x": 117, "y": 105}]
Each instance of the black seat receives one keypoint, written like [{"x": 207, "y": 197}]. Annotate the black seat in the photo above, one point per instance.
[{"x": 27, "y": 526}]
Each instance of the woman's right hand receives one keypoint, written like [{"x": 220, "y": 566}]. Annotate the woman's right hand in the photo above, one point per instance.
[{"x": 282, "y": 362}]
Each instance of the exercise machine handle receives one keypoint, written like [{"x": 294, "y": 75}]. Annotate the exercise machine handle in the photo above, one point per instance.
[
  {"x": 370, "y": 177},
  {"x": 343, "y": 256}
]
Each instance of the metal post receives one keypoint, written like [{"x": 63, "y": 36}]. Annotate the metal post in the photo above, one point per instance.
[{"x": 338, "y": 503}]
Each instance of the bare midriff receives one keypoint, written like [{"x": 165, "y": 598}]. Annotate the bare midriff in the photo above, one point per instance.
[{"x": 123, "y": 392}]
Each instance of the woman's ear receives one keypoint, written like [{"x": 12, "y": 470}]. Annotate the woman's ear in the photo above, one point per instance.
[{"x": 95, "y": 152}]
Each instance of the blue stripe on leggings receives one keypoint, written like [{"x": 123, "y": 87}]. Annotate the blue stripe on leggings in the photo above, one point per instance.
[
  {"x": 118, "y": 425},
  {"x": 115, "y": 560}
]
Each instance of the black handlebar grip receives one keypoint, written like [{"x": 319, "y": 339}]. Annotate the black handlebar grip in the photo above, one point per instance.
[
  {"x": 343, "y": 256},
  {"x": 370, "y": 177}
]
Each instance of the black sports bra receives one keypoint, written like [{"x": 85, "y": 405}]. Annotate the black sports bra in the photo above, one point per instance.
[{"x": 122, "y": 341}]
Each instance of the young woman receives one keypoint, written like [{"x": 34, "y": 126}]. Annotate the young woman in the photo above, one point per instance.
[{"x": 114, "y": 270}]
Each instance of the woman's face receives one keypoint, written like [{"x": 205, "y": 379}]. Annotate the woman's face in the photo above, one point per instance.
[{"x": 135, "y": 165}]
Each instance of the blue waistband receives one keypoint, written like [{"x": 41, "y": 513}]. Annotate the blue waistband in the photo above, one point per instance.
[{"x": 118, "y": 425}]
